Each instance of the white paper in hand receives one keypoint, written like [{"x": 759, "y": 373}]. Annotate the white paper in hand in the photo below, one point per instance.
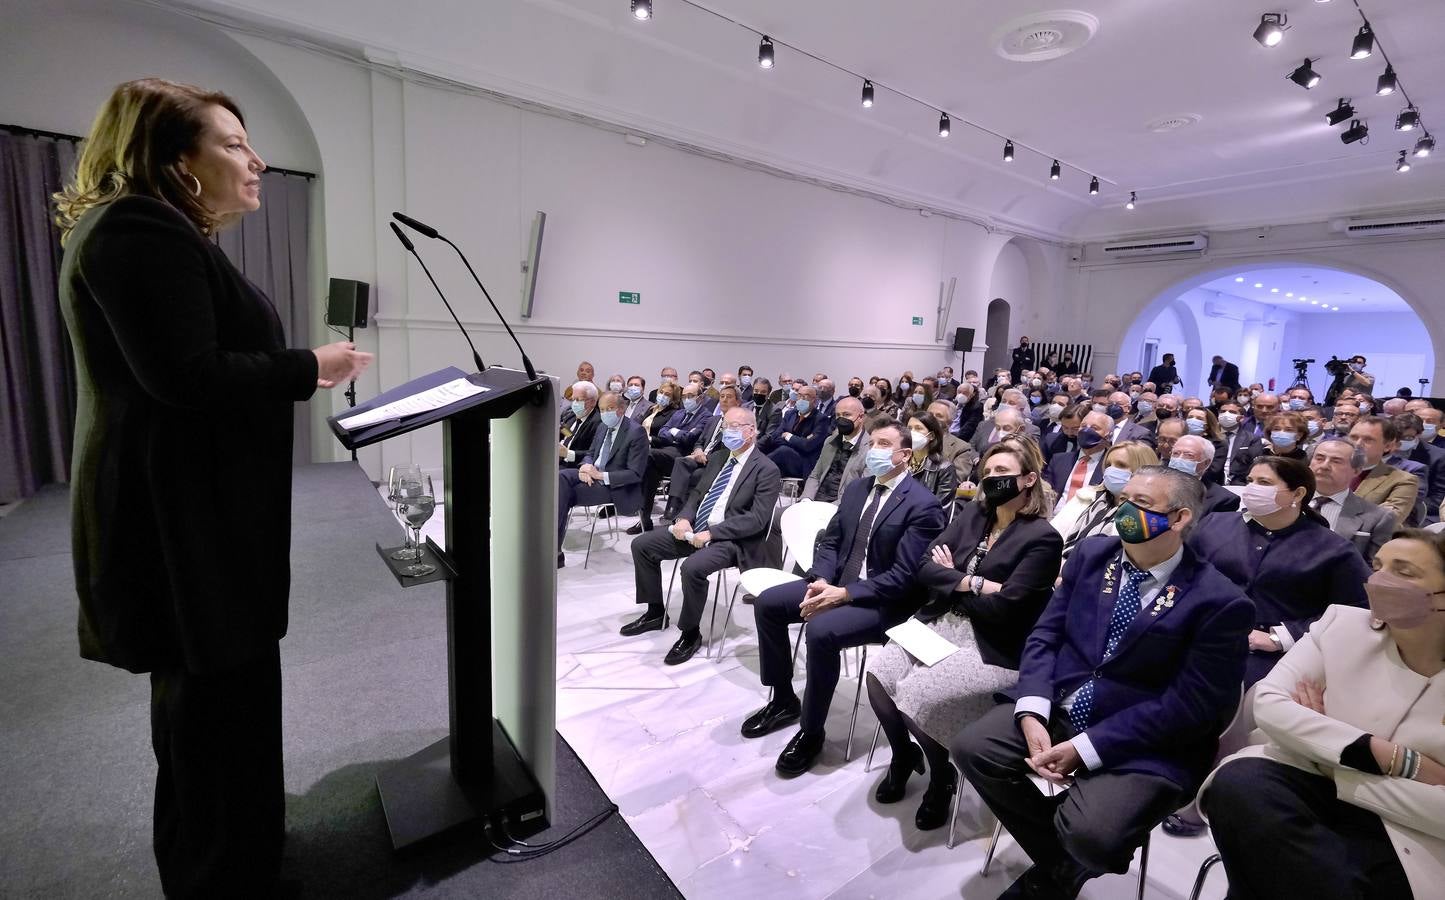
[{"x": 921, "y": 642}]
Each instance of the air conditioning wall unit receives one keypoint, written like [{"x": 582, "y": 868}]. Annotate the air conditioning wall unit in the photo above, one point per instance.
[
  {"x": 1384, "y": 226},
  {"x": 1182, "y": 243}
]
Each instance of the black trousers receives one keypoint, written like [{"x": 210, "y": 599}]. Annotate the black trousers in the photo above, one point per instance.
[
  {"x": 828, "y": 634},
  {"x": 1091, "y": 828},
  {"x": 652, "y": 548},
  {"x": 220, "y": 806},
  {"x": 659, "y": 466},
  {"x": 1282, "y": 832},
  {"x": 686, "y": 473}
]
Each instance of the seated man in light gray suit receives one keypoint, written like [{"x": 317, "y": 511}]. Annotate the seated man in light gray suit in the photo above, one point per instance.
[
  {"x": 611, "y": 472},
  {"x": 1336, "y": 463}
]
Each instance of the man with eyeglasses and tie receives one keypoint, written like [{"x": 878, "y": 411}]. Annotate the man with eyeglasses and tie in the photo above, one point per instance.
[{"x": 610, "y": 472}]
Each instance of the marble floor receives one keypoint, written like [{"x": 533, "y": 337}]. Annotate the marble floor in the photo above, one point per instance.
[{"x": 664, "y": 744}]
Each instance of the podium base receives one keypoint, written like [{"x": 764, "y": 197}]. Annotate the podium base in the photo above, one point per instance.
[{"x": 421, "y": 799}]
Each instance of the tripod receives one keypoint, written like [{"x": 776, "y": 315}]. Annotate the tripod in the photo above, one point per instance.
[
  {"x": 351, "y": 386},
  {"x": 1301, "y": 379}
]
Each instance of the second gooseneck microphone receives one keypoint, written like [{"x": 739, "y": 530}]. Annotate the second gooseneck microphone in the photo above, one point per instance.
[{"x": 406, "y": 242}]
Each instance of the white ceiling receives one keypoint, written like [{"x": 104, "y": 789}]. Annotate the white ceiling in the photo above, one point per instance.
[
  {"x": 1310, "y": 289},
  {"x": 1260, "y": 152}
]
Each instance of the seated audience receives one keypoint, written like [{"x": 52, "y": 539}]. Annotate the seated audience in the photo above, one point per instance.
[
  {"x": 947, "y": 384},
  {"x": 1067, "y": 472},
  {"x": 785, "y": 384},
  {"x": 927, "y": 464},
  {"x": 885, "y": 402},
  {"x": 722, "y": 524},
  {"x": 1336, "y": 464},
  {"x": 917, "y": 400},
  {"x": 834, "y": 470},
  {"x": 1242, "y": 446},
  {"x": 1168, "y": 432},
  {"x": 1409, "y": 428},
  {"x": 610, "y": 472},
  {"x": 1345, "y": 797},
  {"x": 586, "y": 373},
  {"x": 796, "y": 442},
  {"x": 668, "y": 375},
  {"x": 636, "y": 406},
  {"x": 1315, "y": 423},
  {"x": 1262, "y": 408},
  {"x": 1193, "y": 455},
  {"x": 667, "y": 399},
  {"x": 955, "y": 450},
  {"x": 1091, "y": 510},
  {"x": 1345, "y": 417},
  {"x": 1064, "y": 435},
  {"x": 676, "y": 438},
  {"x": 1430, "y": 431},
  {"x": 1381, "y": 482},
  {"x": 904, "y": 388},
  {"x": 687, "y": 469},
  {"x": 861, "y": 583},
  {"x": 579, "y": 425},
  {"x": 1124, "y": 685},
  {"x": 615, "y": 383},
  {"x": 827, "y": 398},
  {"x": 1284, "y": 557},
  {"x": 1285, "y": 435},
  {"x": 989, "y": 575},
  {"x": 1124, "y": 428}
]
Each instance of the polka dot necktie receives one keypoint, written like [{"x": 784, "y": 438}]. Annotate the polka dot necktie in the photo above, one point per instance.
[{"x": 1126, "y": 608}]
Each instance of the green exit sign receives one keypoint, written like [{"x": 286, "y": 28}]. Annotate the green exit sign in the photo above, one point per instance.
[
  {"x": 917, "y": 320},
  {"x": 632, "y": 297}
]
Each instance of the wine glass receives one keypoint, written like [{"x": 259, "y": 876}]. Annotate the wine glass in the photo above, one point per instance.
[
  {"x": 406, "y": 472},
  {"x": 416, "y": 505}
]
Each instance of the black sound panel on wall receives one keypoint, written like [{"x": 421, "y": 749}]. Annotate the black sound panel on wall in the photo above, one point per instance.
[
  {"x": 348, "y": 303},
  {"x": 963, "y": 339}
]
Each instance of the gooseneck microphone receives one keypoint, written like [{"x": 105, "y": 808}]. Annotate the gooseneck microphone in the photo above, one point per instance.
[
  {"x": 426, "y": 230},
  {"x": 406, "y": 242}
]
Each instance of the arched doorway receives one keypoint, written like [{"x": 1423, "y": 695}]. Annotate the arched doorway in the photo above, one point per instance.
[{"x": 995, "y": 335}]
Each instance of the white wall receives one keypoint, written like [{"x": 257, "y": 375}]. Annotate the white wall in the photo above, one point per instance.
[{"x": 1396, "y": 346}]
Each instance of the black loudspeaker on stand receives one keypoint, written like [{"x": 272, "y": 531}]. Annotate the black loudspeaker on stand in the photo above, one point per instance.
[
  {"x": 347, "y": 306},
  {"x": 962, "y": 343}
]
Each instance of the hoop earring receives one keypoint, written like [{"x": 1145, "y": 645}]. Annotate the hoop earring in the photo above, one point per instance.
[{"x": 197, "y": 189}]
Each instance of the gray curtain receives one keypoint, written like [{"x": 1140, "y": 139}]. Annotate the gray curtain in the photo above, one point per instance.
[
  {"x": 272, "y": 248},
  {"x": 37, "y": 369}
]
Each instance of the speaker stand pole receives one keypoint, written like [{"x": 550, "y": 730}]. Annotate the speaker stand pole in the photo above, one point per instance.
[{"x": 351, "y": 387}]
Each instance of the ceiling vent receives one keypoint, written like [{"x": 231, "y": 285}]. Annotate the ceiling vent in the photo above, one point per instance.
[
  {"x": 1184, "y": 243},
  {"x": 1381, "y": 226},
  {"x": 1047, "y": 35}
]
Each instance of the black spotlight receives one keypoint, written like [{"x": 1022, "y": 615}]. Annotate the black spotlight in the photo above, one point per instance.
[
  {"x": 1305, "y": 76},
  {"x": 765, "y": 52},
  {"x": 943, "y": 124},
  {"x": 1054, "y": 171},
  {"x": 1403, "y": 163},
  {"x": 1094, "y": 185},
  {"x": 1132, "y": 198},
  {"x": 867, "y": 94},
  {"x": 1271, "y": 29},
  {"x": 1008, "y": 151},
  {"x": 1357, "y": 131},
  {"x": 1364, "y": 43},
  {"x": 1385, "y": 84},
  {"x": 642, "y": 9},
  {"x": 1408, "y": 119},
  {"x": 1340, "y": 113},
  {"x": 1425, "y": 146}
]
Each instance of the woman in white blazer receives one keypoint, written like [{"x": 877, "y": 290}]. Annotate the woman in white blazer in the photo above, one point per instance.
[{"x": 1343, "y": 793}]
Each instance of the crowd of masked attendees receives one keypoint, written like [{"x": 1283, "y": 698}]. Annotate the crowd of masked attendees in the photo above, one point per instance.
[{"x": 1220, "y": 613}]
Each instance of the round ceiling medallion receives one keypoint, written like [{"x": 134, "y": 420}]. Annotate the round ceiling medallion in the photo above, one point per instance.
[
  {"x": 1173, "y": 123},
  {"x": 1046, "y": 35}
]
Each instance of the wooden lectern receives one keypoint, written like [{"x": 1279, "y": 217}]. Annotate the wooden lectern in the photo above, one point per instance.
[{"x": 498, "y": 764}]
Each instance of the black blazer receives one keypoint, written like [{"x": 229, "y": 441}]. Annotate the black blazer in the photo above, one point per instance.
[
  {"x": 181, "y": 483},
  {"x": 902, "y": 531},
  {"x": 750, "y": 505},
  {"x": 1025, "y": 560}
]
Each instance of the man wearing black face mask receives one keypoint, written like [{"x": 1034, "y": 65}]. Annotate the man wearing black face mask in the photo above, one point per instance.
[
  {"x": 855, "y": 387},
  {"x": 1070, "y": 470},
  {"x": 759, "y": 400},
  {"x": 1023, "y": 357},
  {"x": 1125, "y": 683},
  {"x": 832, "y": 473}
]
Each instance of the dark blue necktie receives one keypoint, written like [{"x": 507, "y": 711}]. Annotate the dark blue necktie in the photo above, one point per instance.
[
  {"x": 719, "y": 485},
  {"x": 1126, "y": 607}
]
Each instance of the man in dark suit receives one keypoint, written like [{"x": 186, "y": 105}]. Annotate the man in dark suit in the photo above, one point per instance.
[
  {"x": 611, "y": 472},
  {"x": 1164, "y": 376},
  {"x": 1023, "y": 357},
  {"x": 636, "y": 406},
  {"x": 827, "y": 480},
  {"x": 722, "y": 524},
  {"x": 1224, "y": 373},
  {"x": 579, "y": 426},
  {"x": 797, "y": 440},
  {"x": 760, "y": 402},
  {"x": 1336, "y": 463},
  {"x": 1124, "y": 428},
  {"x": 686, "y": 470},
  {"x": 1431, "y": 431},
  {"x": 1193, "y": 455},
  {"x": 1065, "y": 437},
  {"x": 1126, "y": 681},
  {"x": 780, "y": 393},
  {"x": 677, "y": 438},
  {"x": 1069, "y": 471},
  {"x": 1430, "y": 458},
  {"x": 861, "y": 583},
  {"x": 668, "y": 376}
]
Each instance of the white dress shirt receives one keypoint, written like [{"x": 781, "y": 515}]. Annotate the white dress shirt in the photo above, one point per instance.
[
  {"x": 719, "y": 509},
  {"x": 888, "y": 488},
  {"x": 1331, "y": 511}
]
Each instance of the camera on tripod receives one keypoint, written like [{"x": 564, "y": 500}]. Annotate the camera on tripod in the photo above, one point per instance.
[{"x": 1302, "y": 365}]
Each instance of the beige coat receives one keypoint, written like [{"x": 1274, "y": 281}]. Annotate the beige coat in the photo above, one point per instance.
[
  {"x": 1391, "y": 488},
  {"x": 1367, "y": 689}
]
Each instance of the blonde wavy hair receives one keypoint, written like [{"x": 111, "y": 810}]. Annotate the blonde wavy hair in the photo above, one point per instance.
[{"x": 135, "y": 146}]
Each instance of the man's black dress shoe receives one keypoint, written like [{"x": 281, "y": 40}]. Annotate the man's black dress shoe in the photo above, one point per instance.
[
  {"x": 643, "y": 624},
  {"x": 800, "y": 754},
  {"x": 777, "y": 714},
  {"x": 641, "y": 526},
  {"x": 1179, "y": 826},
  {"x": 1035, "y": 884},
  {"x": 937, "y": 803},
  {"x": 891, "y": 788},
  {"x": 683, "y": 650},
  {"x": 561, "y": 560}
]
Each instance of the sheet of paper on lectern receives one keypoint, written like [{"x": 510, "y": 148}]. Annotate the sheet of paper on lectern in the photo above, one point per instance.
[
  {"x": 922, "y": 643},
  {"x": 426, "y": 401}
]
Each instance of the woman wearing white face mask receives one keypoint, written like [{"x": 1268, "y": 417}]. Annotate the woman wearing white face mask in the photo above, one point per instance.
[
  {"x": 1285, "y": 557},
  {"x": 927, "y": 464},
  {"x": 1347, "y": 795},
  {"x": 1285, "y": 435},
  {"x": 1091, "y": 510}
]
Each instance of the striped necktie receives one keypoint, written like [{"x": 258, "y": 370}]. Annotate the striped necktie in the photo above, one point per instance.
[{"x": 719, "y": 485}]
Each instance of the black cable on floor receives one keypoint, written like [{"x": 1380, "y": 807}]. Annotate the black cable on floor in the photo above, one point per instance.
[{"x": 533, "y": 851}]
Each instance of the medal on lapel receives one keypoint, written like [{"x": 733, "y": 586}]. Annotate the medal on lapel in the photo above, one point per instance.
[
  {"x": 1164, "y": 601},
  {"x": 1110, "y": 575}
]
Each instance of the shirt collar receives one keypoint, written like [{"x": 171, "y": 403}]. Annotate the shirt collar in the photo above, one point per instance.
[
  {"x": 743, "y": 456},
  {"x": 888, "y": 486},
  {"x": 1340, "y": 497},
  {"x": 1161, "y": 573}
]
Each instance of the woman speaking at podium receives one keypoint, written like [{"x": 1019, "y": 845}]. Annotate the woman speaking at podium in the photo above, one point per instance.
[{"x": 181, "y": 481}]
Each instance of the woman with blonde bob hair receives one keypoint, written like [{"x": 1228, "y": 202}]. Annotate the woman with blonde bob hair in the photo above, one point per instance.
[
  {"x": 989, "y": 575},
  {"x": 1091, "y": 510},
  {"x": 181, "y": 478}
]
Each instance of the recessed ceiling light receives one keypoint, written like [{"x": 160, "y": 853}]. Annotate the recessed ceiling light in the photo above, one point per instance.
[
  {"x": 1314, "y": 303},
  {"x": 1289, "y": 293},
  {"x": 1239, "y": 278},
  {"x": 1302, "y": 298},
  {"x": 1274, "y": 290}
]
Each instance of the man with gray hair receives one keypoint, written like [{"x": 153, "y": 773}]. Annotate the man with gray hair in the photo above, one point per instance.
[
  {"x": 1193, "y": 455},
  {"x": 579, "y": 425},
  {"x": 1336, "y": 463}
]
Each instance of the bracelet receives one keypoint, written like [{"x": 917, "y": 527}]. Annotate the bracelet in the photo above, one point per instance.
[
  {"x": 978, "y": 584},
  {"x": 1411, "y": 766},
  {"x": 1394, "y": 755}
]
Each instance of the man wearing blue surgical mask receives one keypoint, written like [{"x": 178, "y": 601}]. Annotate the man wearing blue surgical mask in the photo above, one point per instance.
[
  {"x": 797, "y": 440},
  {"x": 676, "y": 439},
  {"x": 610, "y": 472},
  {"x": 1431, "y": 431},
  {"x": 1193, "y": 455},
  {"x": 579, "y": 425},
  {"x": 1124, "y": 428},
  {"x": 1424, "y": 461},
  {"x": 634, "y": 398},
  {"x": 1139, "y": 624}
]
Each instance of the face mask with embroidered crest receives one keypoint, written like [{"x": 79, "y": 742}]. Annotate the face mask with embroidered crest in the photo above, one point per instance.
[{"x": 1137, "y": 525}]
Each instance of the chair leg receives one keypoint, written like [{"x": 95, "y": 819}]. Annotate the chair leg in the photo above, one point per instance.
[
  {"x": 868, "y": 763},
  {"x": 667, "y": 604},
  {"x": 588, "y": 558},
  {"x": 857, "y": 699},
  {"x": 957, "y": 792},
  {"x": 728, "y": 619},
  {"x": 992, "y": 846},
  {"x": 712, "y": 619},
  {"x": 1202, "y": 876},
  {"x": 1143, "y": 867},
  {"x": 798, "y": 644}
]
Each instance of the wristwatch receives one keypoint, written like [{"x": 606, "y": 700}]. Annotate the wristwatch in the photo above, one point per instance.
[{"x": 1278, "y": 644}]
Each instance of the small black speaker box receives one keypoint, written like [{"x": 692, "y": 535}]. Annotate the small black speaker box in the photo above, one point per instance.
[
  {"x": 347, "y": 303},
  {"x": 963, "y": 339}
]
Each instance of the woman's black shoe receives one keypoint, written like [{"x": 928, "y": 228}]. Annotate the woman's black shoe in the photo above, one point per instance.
[
  {"x": 891, "y": 788},
  {"x": 937, "y": 803}
]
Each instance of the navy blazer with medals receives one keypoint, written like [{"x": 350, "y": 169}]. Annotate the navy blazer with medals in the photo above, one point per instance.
[
  {"x": 1174, "y": 679},
  {"x": 626, "y": 463},
  {"x": 902, "y": 531}
]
